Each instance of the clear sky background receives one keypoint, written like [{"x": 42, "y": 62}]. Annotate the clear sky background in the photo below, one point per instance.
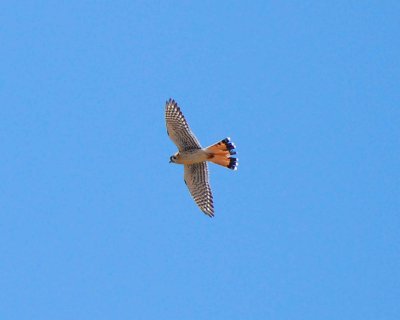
[{"x": 96, "y": 224}]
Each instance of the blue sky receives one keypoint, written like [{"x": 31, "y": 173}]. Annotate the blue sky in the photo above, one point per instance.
[{"x": 96, "y": 224}]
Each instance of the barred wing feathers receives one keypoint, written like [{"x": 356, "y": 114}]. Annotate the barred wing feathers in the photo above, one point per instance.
[
  {"x": 196, "y": 179},
  {"x": 178, "y": 128}
]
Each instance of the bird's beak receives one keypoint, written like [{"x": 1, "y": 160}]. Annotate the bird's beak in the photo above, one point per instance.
[{"x": 170, "y": 161}]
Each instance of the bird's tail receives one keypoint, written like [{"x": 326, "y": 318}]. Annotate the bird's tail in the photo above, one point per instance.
[{"x": 221, "y": 153}]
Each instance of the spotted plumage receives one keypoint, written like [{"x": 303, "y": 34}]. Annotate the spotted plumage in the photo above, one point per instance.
[{"x": 194, "y": 157}]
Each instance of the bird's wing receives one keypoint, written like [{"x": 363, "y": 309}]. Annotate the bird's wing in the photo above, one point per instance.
[
  {"x": 178, "y": 129},
  {"x": 196, "y": 179}
]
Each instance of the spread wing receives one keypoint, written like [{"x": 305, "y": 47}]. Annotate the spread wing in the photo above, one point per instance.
[
  {"x": 178, "y": 129},
  {"x": 196, "y": 179}
]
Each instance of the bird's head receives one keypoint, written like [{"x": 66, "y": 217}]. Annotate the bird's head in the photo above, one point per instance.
[{"x": 173, "y": 158}]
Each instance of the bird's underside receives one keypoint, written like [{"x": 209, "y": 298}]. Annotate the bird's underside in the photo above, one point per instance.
[{"x": 194, "y": 157}]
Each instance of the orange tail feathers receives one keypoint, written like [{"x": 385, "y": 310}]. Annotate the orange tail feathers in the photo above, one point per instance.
[{"x": 221, "y": 153}]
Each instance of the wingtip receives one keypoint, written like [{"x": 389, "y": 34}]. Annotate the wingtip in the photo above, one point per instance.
[
  {"x": 172, "y": 102},
  {"x": 208, "y": 210}
]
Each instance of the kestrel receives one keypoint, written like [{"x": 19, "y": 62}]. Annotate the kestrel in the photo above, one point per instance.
[{"x": 194, "y": 157}]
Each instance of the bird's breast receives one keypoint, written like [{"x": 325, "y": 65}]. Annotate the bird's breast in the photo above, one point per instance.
[{"x": 192, "y": 156}]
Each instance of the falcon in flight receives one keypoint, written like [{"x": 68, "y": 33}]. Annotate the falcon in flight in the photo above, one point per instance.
[{"x": 194, "y": 157}]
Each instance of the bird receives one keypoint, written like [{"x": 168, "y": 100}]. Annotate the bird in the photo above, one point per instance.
[{"x": 194, "y": 158}]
